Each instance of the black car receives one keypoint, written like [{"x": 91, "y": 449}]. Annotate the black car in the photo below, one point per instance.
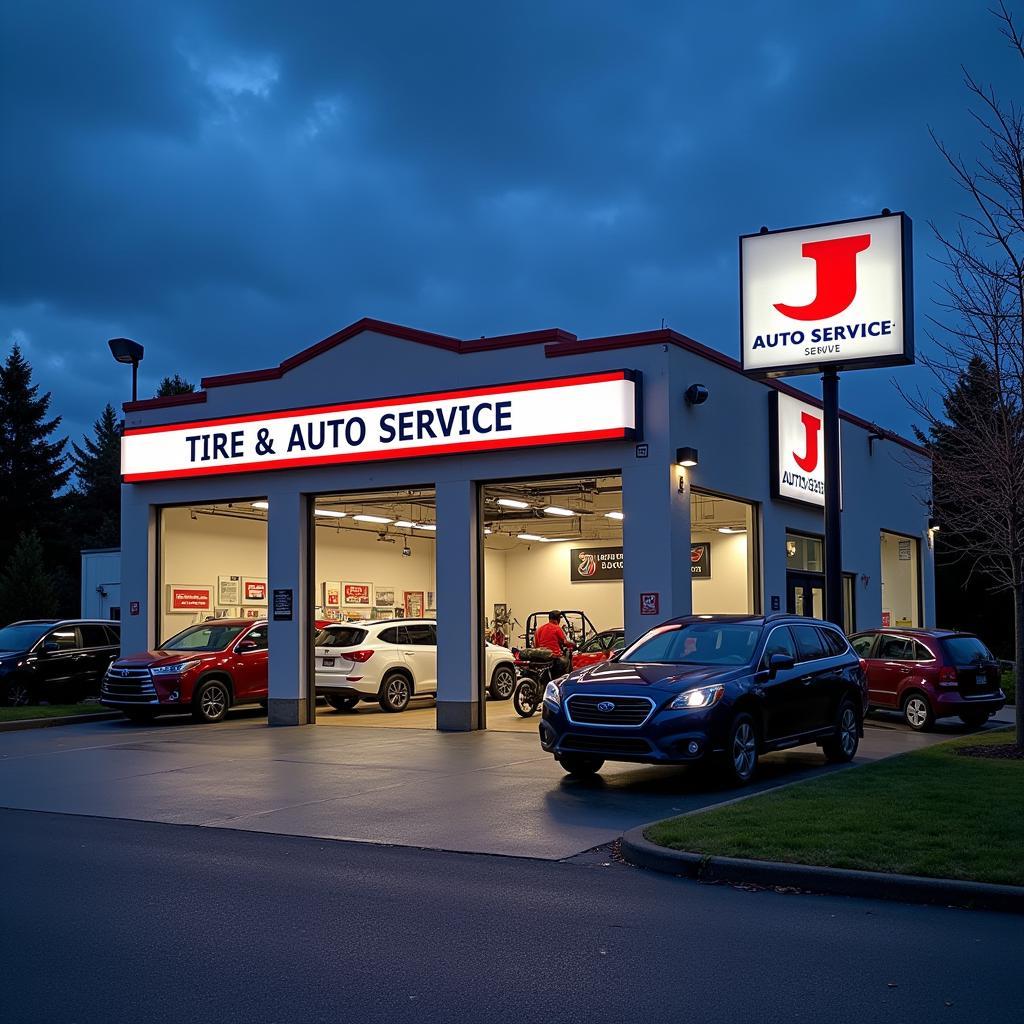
[
  {"x": 701, "y": 687},
  {"x": 58, "y": 660}
]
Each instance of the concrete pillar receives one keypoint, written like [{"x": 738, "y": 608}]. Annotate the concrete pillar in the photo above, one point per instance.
[
  {"x": 460, "y": 707},
  {"x": 290, "y": 641},
  {"x": 139, "y": 572},
  {"x": 655, "y": 539}
]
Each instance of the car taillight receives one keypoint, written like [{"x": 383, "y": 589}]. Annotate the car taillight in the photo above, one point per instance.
[
  {"x": 947, "y": 676},
  {"x": 359, "y": 656}
]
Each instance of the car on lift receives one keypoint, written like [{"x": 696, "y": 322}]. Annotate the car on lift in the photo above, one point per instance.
[
  {"x": 599, "y": 648},
  {"x": 927, "y": 674},
  {"x": 205, "y": 669},
  {"x": 57, "y": 660},
  {"x": 711, "y": 688},
  {"x": 391, "y": 661}
]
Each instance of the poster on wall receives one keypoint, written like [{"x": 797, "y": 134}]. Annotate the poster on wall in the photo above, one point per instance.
[
  {"x": 904, "y": 550},
  {"x": 332, "y": 595},
  {"x": 595, "y": 565},
  {"x": 399, "y": 613},
  {"x": 414, "y": 604},
  {"x": 430, "y": 601},
  {"x": 226, "y": 613},
  {"x": 183, "y": 598},
  {"x": 380, "y": 612},
  {"x": 254, "y": 590},
  {"x": 254, "y": 613},
  {"x": 700, "y": 561},
  {"x": 229, "y": 591},
  {"x": 357, "y": 593},
  {"x": 384, "y": 596}
]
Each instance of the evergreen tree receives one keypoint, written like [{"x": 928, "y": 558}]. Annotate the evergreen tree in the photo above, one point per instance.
[
  {"x": 33, "y": 467},
  {"x": 27, "y": 587},
  {"x": 97, "y": 495},
  {"x": 176, "y": 385}
]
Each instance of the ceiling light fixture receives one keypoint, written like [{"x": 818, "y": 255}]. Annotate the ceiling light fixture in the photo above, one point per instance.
[
  {"x": 513, "y": 503},
  {"x": 403, "y": 524},
  {"x": 732, "y": 529},
  {"x": 426, "y": 526},
  {"x": 614, "y": 515},
  {"x": 261, "y": 504},
  {"x": 371, "y": 519},
  {"x": 529, "y": 536},
  {"x": 329, "y": 513},
  {"x": 555, "y": 510}
]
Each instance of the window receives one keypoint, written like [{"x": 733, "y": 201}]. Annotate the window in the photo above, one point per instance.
[
  {"x": 420, "y": 636},
  {"x": 966, "y": 650},
  {"x": 93, "y": 636},
  {"x": 258, "y": 636},
  {"x": 66, "y": 638},
  {"x": 724, "y": 554},
  {"x": 113, "y": 635},
  {"x": 21, "y": 637},
  {"x": 834, "y": 643},
  {"x": 697, "y": 643},
  {"x": 341, "y": 636},
  {"x": 780, "y": 641},
  {"x": 207, "y": 637},
  {"x": 598, "y": 644},
  {"x": 896, "y": 648},
  {"x": 618, "y": 643},
  {"x": 804, "y": 553},
  {"x": 809, "y": 643},
  {"x": 863, "y": 644},
  {"x": 921, "y": 653},
  {"x": 390, "y": 635}
]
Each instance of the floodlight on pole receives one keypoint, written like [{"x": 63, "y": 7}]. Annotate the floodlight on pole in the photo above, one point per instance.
[{"x": 124, "y": 350}]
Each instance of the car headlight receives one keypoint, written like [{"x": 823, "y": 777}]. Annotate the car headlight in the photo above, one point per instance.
[
  {"x": 702, "y": 697},
  {"x": 174, "y": 670},
  {"x": 552, "y": 694}
]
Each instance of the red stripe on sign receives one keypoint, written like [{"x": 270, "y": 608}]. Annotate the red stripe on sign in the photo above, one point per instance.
[
  {"x": 384, "y": 403},
  {"x": 610, "y": 434}
]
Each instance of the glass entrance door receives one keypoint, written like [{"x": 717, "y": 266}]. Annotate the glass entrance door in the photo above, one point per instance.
[{"x": 805, "y": 594}]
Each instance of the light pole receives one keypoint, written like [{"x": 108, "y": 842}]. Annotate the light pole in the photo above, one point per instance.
[{"x": 124, "y": 350}]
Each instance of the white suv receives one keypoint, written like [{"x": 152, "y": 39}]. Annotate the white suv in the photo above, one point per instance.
[{"x": 392, "y": 661}]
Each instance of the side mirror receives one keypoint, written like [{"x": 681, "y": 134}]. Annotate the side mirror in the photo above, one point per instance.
[
  {"x": 50, "y": 646},
  {"x": 779, "y": 663},
  {"x": 247, "y": 645}
]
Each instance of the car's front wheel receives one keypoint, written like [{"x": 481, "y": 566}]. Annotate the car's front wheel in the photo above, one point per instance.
[
  {"x": 842, "y": 746},
  {"x": 918, "y": 713},
  {"x": 741, "y": 750},
  {"x": 341, "y": 703},
  {"x": 503, "y": 682},
  {"x": 395, "y": 692},
  {"x": 211, "y": 701},
  {"x": 581, "y": 764}
]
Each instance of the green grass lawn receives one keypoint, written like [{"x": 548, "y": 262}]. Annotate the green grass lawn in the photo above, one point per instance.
[
  {"x": 931, "y": 812},
  {"x": 49, "y": 711}
]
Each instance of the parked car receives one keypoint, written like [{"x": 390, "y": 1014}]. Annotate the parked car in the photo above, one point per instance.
[
  {"x": 928, "y": 674},
  {"x": 726, "y": 688},
  {"x": 599, "y": 648},
  {"x": 57, "y": 660},
  {"x": 205, "y": 669},
  {"x": 390, "y": 661}
]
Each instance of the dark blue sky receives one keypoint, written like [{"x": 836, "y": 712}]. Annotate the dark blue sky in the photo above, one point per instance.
[{"x": 230, "y": 182}]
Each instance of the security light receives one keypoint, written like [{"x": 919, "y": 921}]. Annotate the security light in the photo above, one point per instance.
[
  {"x": 513, "y": 503},
  {"x": 383, "y": 520},
  {"x": 406, "y": 551},
  {"x": 687, "y": 457},
  {"x": 696, "y": 394}
]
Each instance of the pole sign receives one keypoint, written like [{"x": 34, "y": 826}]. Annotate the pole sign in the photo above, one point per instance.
[
  {"x": 565, "y": 410},
  {"x": 797, "y": 450},
  {"x": 837, "y": 296}
]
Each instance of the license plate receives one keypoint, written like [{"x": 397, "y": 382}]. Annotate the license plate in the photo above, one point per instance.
[{"x": 328, "y": 663}]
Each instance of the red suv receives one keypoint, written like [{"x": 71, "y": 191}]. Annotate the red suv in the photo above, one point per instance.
[
  {"x": 204, "y": 669},
  {"x": 930, "y": 673}
]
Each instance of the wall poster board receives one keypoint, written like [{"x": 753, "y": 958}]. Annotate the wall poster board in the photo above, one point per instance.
[
  {"x": 357, "y": 594},
  {"x": 229, "y": 591},
  {"x": 254, "y": 590},
  {"x": 414, "y": 604}
]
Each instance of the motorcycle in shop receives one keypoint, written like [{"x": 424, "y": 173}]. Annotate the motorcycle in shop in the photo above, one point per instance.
[{"x": 535, "y": 668}]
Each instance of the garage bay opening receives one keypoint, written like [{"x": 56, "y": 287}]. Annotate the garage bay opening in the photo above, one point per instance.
[
  {"x": 550, "y": 545},
  {"x": 375, "y": 658}
]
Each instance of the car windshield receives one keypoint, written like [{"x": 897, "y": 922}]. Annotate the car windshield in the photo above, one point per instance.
[
  {"x": 696, "y": 643},
  {"x": 966, "y": 650},
  {"x": 22, "y": 637},
  {"x": 339, "y": 636},
  {"x": 210, "y": 636}
]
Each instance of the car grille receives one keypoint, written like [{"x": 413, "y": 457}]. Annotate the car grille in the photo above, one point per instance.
[
  {"x": 128, "y": 685},
  {"x": 605, "y": 744},
  {"x": 587, "y": 709}
]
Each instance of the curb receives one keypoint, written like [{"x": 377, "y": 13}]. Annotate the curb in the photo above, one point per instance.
[
  {"x": 640, "y": 851},
  {"x": 46, "y": 723}
]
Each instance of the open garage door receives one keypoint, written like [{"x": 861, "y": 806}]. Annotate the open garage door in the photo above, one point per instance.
[{"x": 552, "y": 546}]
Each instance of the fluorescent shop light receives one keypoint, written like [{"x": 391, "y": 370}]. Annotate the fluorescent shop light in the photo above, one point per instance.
[
  {"x": 330, "y": 513},
  {"x": 426, "y": 526},
  {"x": 555, "y": 510},
  {"x": 529, "y": 536},
  {"x": 732, "y": 529},
  {"x": 371, "y": 519},
  {"x": 261, "y": 504},
  {"x": 614, "y": 515},
  {"x": 403, "y": 524},
  {"x": 513, "y": 503}
]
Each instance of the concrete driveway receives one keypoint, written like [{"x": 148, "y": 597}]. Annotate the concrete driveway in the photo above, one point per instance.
[{"x": 483, "y": 792}]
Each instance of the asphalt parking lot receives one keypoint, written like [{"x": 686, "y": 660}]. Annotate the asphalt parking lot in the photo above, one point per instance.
[{"x": 482, "y": 792}]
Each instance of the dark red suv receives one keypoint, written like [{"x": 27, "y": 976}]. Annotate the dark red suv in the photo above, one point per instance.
[
  {"x": 930, "y": 673},
  {"x": 204, "y": 669}
]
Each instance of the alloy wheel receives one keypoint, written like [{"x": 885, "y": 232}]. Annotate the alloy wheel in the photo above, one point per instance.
[
  {"x": 397, "y": 692},
  {"x": 848, "y": 731},
  {"x": 744, "y": 750},
  {"x": 504, "y": 683},
  {"x": 17, "y": 695},
  {"x": 213, "y": 701},
  {"x": 917, "y": 712}
]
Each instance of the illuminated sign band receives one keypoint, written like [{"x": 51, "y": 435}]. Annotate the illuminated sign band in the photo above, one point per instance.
[
  {"x": 798, "y": 450},
  {"x": 594, "y": 407},
  {"x": 832, "y": 295}
]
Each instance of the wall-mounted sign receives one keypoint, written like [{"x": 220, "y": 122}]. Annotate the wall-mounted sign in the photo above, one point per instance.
[
  {"x": 700, "y": 561},
  {"x": 229, "y": 590},
  {"x": 332, "y": 595},
  {"x": 837, "y": 295},
  {"x": 254, "y": 591},
  {"x": 133, "y": 607},
  {"x": 356, "y": 593},
  {"x": 283, "y": 605},
  {"x": 595, "y": 565},
  {"x": 189, "y": 599},
  {"x": 594, "y": 407},
  {"x": 414, "y": 604},
  {"x": 650, "y": 603},
  {"x": 798, "y": 450}
]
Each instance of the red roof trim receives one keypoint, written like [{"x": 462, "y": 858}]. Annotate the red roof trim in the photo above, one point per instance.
[{"x": 189, "y": 398}]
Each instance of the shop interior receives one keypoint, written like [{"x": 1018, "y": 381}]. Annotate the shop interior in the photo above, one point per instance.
[{"x": 901, "y": 580}]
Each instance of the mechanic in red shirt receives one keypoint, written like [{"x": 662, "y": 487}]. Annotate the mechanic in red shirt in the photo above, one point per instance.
[{"x": 550, "y": 635}]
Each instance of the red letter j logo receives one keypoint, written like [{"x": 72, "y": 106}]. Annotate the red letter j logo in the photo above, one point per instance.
[
  {"x": 809, "y": 460},
  {"x": 836, "y": 263}
]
